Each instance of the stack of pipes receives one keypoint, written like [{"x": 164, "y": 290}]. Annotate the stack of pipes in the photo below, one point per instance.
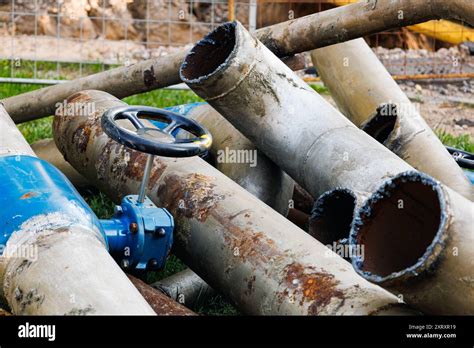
[{"x": 373, "y": 163}]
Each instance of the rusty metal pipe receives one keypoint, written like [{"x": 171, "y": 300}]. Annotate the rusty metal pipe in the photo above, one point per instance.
[
  {"x": 185, "y": 287},
  {"x": 284, "y": 39},
  {"x": 356, "y": 20},
  {"x": 285, "y": 118},
  {"x": 427, "y": 255},
  {"x": 161, "y": 302},
  {"x": 308, "y": 138},
  {"x": 366, "y": 93},
  {"x": 49, "y": 264},
  {"x": 235, "y": 156},
  {"x": 241, "y": 247}
]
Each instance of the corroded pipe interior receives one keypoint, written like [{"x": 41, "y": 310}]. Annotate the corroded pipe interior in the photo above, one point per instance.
[
  {"x": 400, "y": 225},
  {"x": 332, "y": 216},
  {"x": 382, "y": 123},
  {"x": 210, "y": 53}
]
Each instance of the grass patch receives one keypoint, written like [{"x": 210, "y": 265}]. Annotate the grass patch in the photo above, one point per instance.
[
  {"x": 217, "y": 305},
  {"x": 37, "y": 129},
  {"x": 11, "y": 89},
  {"x": 321, "y": 89},
  {"x": 462, "y": 142},
  {"x": 163, "y": 98}
]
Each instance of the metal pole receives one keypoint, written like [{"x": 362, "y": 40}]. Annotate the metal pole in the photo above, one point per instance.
[
  {"x": 161, "y": 302},
  {"x": 236, "y": 157},
  {"x": 252, "y": 15},
  {"x": 427, "y": 255},
  {"x": 185, "y": 287},
  {"x": 145, "y": 179}
]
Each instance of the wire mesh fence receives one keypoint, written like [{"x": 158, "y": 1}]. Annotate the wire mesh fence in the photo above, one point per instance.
[{"x": 46, "y": 41}]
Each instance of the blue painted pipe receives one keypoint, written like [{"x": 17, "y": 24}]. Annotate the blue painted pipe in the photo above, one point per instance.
[{"x": 32, "y": 187}]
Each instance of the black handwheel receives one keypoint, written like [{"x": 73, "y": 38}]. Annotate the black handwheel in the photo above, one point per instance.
[
  {"x": 155, "y": 141},
  {"x": 463, "y": 158}
]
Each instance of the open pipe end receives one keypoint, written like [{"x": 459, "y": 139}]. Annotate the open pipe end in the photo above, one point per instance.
[
  {"x": 210, "y": 55},
  {"x": 401, "y": 228},
  {"x": 332, "y": 216},
  {"x": 381, "y": 125}
]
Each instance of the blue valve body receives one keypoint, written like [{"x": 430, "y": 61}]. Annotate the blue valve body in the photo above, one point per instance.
[
  {"x": 140, "y": 235},
  {"x": 31, "y": 187}
]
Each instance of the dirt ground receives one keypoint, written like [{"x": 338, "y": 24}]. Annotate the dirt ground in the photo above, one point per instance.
[{"x": 445, "y": 107}]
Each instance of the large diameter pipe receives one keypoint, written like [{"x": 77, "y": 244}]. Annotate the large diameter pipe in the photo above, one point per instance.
[
  {"x": 46, "y": 150},
  {"x": 285, "y": 118},
  {"x": 235, "y": 156},
  {"x": 185, "y": 287},
  {"x": 366, "y": 93},
  {"x": 307, "y": 137},
  {"x": 428, "y": 254},
  {"x": 241, "y": 247},
  {"x": 55, "y": 260},
  {"x": 284, "y": 39}
]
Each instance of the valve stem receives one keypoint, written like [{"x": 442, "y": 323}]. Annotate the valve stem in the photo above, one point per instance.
[{"x": 146, "y": 178}]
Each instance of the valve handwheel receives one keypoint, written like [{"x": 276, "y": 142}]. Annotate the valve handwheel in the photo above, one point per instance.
[
  {"x": 152, "y": 140},
  {"x": 148, "y": 243}
]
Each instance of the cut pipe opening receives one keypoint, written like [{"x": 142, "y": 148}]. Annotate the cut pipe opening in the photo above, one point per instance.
[
  {"x": 332, "y": 216},
  {"x": 400, "y": 227},
  {"x": 210, "y": 54},
  {"x": 382, "y": 123}
]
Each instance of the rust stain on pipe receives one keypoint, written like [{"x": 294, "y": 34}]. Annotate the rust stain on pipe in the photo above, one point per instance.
[
  {"x": 318, "y": 288},
  {"x": 161, "y": 304},
  {"x": 191, "y": 196}
]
